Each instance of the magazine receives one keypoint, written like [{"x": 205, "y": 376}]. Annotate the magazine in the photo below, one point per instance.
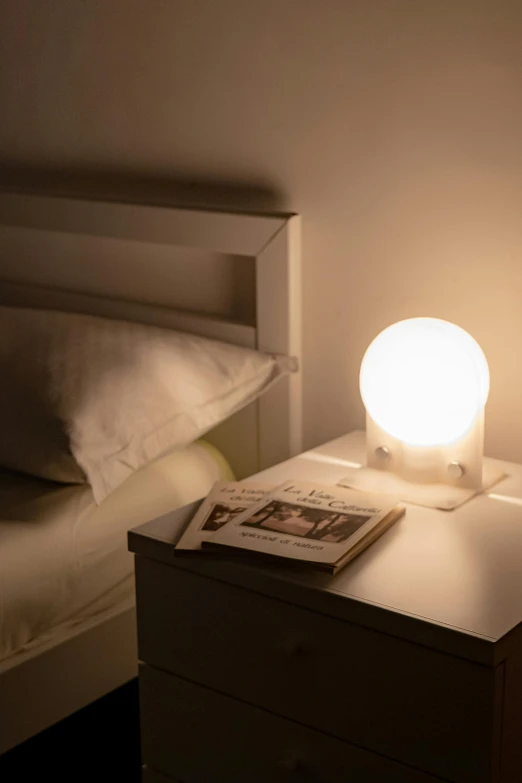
[
  {"x": 325, "y": 526},
  {"x": 225, "y": 501}
]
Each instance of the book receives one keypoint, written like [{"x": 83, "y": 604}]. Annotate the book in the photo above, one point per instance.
[
  {"x": 323, "y": 526},
  {"x": 224, "y": 502}
]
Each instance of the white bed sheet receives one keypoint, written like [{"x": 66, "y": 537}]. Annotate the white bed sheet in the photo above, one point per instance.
[{"x": 63, "y": 559}]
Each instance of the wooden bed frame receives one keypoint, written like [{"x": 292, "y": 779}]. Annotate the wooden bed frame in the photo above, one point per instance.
[{"x": 231, "y": 276}]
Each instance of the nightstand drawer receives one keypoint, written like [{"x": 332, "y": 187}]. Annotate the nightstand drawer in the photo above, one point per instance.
[
  {"x": 150, "y": 776},
  {"x": 194, "y": 734},
  {"x": 421, "y": 707}
]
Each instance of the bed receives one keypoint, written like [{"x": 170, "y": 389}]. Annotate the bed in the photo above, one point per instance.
[{"x": 67, "y": 620}]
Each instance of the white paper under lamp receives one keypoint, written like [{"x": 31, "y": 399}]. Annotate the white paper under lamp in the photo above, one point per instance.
[{"x": 424, "y": 383}]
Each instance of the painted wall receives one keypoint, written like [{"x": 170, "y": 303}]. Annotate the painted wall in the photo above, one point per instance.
[{"x": 393, "y": 126}]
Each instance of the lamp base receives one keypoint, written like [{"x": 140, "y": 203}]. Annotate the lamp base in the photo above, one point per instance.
[{"x": 442, "y": 496}]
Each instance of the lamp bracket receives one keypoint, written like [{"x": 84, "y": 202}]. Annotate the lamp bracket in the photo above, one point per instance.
[
  {"x": 457, "y": 464},
  {"x": 442, "y": 477}
]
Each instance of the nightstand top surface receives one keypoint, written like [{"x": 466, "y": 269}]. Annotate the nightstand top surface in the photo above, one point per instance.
[{"x": 459, "y": 571}]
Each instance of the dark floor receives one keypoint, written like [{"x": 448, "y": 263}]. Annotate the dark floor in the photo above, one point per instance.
[{"x": 97, "y": 744}]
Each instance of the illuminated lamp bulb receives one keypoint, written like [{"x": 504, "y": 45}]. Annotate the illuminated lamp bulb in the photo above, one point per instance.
[{"x": 424, "y": 381}]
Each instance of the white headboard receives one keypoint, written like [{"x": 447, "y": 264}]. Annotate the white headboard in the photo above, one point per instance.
[{"x": 231, "y": 276}]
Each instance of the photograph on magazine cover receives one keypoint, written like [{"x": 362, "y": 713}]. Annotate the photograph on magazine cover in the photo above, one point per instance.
[
  {"x": 219, "y": 514},
  {"x": 317, "y": 524}
]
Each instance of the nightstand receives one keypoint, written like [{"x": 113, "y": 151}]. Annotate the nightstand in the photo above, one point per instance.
[{"x": 405, "y": 667}]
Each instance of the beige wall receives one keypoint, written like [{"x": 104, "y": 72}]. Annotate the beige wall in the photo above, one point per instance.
[{"x": 393, "y": 126}]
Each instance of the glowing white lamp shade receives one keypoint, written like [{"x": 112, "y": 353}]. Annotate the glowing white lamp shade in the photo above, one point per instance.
[{"x": 424, "y": 381}]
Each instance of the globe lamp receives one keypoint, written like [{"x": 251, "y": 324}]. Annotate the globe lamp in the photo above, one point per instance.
[{"x": 424, "y": 383}]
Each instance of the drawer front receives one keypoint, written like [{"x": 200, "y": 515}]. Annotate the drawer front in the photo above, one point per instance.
[
  {"x": 193, "y": 734},
  {"x": 150, "y": 776},
  {"x": 409, "y": 703}
]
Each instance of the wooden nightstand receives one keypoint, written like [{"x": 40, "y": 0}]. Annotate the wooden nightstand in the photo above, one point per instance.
[{"x": 406, "y": 667}]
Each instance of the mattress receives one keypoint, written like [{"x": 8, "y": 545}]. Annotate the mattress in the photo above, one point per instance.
[{"x": 64, "y": 560}]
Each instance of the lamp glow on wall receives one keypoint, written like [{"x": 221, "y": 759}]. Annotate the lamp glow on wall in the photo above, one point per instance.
[{"x": 424, "y": 383}]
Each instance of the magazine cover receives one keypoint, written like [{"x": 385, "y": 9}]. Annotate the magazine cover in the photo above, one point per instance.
[
  {"x": 224, "y": 502},
  {"x": 312, "y": 522}
]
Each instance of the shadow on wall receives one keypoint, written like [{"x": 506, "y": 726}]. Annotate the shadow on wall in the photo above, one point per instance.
[{"x": 195, "y": 191}]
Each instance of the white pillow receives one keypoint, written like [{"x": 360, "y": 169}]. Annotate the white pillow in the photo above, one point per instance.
[
  {"x": 127, "y": 393},
  {"x": 33, "y": 436}
]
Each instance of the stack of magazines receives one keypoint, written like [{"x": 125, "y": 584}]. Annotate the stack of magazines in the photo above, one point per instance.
[{"x": 320, "y": 525}]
